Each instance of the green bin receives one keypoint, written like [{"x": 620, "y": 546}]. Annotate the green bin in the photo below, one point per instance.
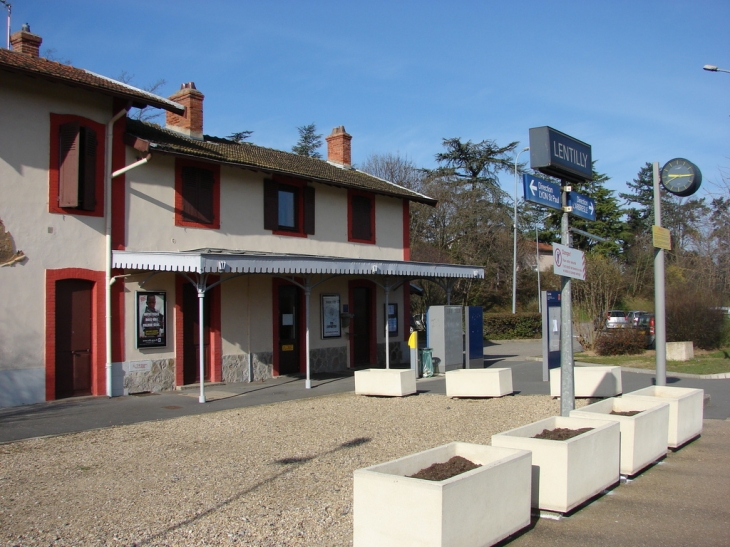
[{"x": 425, "y": 362}]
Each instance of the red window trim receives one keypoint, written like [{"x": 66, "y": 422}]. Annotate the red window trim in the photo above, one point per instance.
[
  {"x": 57, "y": 120},
  {"x": 215, "y": 351},
  {"x": 179, "y": 218},
  {"x": 406, "y": 230},
  {"x": 300, "y": 185},
  {"x": 371, "y": 197}
]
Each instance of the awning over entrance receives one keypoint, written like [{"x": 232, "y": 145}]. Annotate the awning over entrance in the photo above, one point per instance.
[
  {"x": 305, "y": 271},
  {"x": 219, "y": 261}
]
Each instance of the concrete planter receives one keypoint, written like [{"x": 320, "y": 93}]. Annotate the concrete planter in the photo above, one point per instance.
[
  {"x": 385, "y": 382},
  {"x": 642, "y": 436},
  {"x": 686, "y": 410},
  {"x": 474, "y": 509},
  {"x": 598, "y": 381},
  {"x": 567, "y": 473},
  {"x": 479, "y": 382}
]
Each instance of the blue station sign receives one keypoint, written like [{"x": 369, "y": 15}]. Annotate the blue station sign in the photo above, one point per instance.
[
  {"x": 559, "y": 155},
  {"x": 541, "y": 191},
  {"x": 583, "y": 206}
]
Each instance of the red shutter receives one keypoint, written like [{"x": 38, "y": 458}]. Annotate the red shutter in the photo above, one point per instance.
[
  {"x": 309, "y": 210},
  {"x": 68, "y": 169},
  {"x": 271, "y": 205},
  {"x": 87, "y": 169}
]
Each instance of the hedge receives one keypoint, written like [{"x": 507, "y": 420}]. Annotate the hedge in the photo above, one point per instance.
[{"x": 507, "y": 326}]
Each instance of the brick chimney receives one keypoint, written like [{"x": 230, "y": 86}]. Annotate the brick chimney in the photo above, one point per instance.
[
  {"x": 26, "y": 42},
  {"x": 338, "y": 147},
  {"x": 189, "y": 124}
]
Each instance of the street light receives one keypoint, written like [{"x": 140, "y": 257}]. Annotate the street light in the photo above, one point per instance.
[
  {"x": 713, "y": 68},
  {"x": 514, "y": 258}
]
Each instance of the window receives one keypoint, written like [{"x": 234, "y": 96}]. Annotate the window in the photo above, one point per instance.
[
  {"x": 76, "y": 171},
  {"x": 361, "y": 217},
  {"x": 288, "y": 207},
  {"x": 197, "y": 195}
]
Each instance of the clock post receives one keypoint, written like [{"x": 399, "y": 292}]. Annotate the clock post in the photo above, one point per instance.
[{"x": 682, "y": 178}]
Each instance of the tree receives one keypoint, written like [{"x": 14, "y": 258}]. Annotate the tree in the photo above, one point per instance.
[
  {"x": 240, "y": 136},
  {"x": 477, "y": 164},
  {"x": 309, "y": 141},
  {"x": 394, "y": 168}
]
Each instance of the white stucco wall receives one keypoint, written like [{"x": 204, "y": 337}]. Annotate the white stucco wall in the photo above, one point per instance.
[
  {"x": 50, "y": 241},
  {"x": 151, "y": 217}
]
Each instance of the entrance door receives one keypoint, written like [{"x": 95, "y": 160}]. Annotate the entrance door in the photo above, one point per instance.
[
  {"x": 191, "y": 335},
  {"x": 288, "y": 344},
  {"x": 361, "y": 343},
  {"x": 73, "y": 337}
]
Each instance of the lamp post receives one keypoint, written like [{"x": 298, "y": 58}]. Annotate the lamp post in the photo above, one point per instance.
[
  {"x": 514, "y": 257},
  {"x": 713, "y": 68}
]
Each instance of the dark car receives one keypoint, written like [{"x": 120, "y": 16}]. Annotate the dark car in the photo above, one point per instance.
[
  {"x": 633, "y": 317},
  {"x": 646, "y": 323}
]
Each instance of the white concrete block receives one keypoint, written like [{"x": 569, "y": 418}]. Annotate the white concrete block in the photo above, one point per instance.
[
  {"x": 479, "y": 382},
  {"x": 642, "y": 436},
  {"x": 474, "y": 509},
  {"x": 567, "y": 473},
  {"x": 385, "y": 382},
  {"x": 686, "y": 410},
  {"x": 680, "y": 351},
  {"x": 597, "y": 381}
]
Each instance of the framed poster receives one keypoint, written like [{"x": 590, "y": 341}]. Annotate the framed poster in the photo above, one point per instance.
[
  {"x": 392, "y": 319},
  {"x": 151, "y": 314},
  {"x": 331, "y": 316}
]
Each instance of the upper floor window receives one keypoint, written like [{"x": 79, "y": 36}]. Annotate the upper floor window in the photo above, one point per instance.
[
  {"x": 288, "y": 207},
  {"x": 197, "y": 194},
  {"x": 76, "y": 171},
  {"x": 360, "y": 217}
]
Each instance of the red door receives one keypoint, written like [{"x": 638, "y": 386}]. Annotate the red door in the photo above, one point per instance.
[
  {"x": 191, "y": 335},
  {"x": 73, "y": 337}
]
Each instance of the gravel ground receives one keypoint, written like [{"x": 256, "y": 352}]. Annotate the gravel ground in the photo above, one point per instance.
[{"x": 273, "y": 475}]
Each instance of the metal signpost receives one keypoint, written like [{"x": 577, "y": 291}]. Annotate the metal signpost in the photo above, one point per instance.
[{"x": 559, "y": 155}]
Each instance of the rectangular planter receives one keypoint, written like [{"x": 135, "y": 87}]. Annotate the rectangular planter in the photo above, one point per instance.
[
  {"x": 686, "y": 410},
  {"x": 597, "y": 381},
  {"x": 642, "y": 436},
  {"x": 385, "y": 382},
  {"x": 474, "y": 509},
  {"x": 479, "y": 382},
  {"x": 567, "y": 473}
]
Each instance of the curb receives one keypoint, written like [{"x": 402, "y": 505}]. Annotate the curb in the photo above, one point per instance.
[{"x": 719, "y": 376}]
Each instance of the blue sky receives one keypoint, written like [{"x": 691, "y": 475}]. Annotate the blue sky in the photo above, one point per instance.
[{"x": 624, "y": 76}]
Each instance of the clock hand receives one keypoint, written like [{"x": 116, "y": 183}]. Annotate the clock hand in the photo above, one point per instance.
[{"x": 678, "y": 176}]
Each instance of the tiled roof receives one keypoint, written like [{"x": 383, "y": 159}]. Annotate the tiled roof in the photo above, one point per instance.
[
  {"x": 23, "y": 63},
  {"x": 267, "y": 160}
]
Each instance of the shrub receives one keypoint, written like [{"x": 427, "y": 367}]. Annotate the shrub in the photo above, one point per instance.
[
  {"x": 621, "y": 342},
  {"x": 507, "y": 326},
  {"x": 691, "y": 317}
]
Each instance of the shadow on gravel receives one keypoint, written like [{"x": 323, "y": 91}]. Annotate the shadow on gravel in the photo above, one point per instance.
[{"x": 291, "y": 463}]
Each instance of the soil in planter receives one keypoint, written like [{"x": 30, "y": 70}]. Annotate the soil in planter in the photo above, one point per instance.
[
  {"x": 561, "y": 433},
  {"x": 442, "y": 471},
  {"x": 626, "y": 413}
]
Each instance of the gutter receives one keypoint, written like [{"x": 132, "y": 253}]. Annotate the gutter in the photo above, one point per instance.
[{"x": 108, "y": 279}]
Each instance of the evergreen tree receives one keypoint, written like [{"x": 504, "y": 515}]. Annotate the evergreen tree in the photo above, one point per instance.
[{"x": 309, "y": 141}]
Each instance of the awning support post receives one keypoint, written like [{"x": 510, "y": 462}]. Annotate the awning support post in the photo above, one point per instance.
[
  {"x": 307, "y": 294},
  {"x": 201, "y": 335}
]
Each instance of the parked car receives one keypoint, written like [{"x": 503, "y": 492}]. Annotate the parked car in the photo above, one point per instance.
[
  {"x": 646, "y": 322},
  {"x": 633, "y": 317},
  {"x": 615, "y": 319}
]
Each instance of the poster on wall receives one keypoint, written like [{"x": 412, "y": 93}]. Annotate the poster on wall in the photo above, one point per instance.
[
  {"x": 392, "y": 319},
  {"x": 151, "y": 327},
  {"x": 331, "y": 316}
]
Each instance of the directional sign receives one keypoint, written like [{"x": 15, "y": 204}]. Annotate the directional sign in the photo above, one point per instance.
[
  {"x": 569, "y": 262},
  {"x": 583, "y": 206},
  {"x": 541, "y": 191}
]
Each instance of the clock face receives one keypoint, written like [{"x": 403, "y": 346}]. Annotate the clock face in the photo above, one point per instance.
[{"x": 681, "y": 177}]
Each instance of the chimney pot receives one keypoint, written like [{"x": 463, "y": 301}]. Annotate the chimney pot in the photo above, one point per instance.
[
  {"x": 190, "y": 123},
  {"x": 339, "y": 149},
  {"x": 24, "y": 41}
]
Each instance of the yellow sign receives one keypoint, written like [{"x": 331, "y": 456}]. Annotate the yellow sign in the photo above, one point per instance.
[
  {"x": 287, "y": 347},
  {"x": 662, "y": 238}
]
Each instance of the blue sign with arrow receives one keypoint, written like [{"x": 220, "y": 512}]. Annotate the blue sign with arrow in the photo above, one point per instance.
[
  {"x": 583, "y": 206},
  {"x": 541, "y": 191}
]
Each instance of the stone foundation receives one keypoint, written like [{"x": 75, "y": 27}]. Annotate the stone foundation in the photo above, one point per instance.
[
  {"x": 235, "y": 367},
  {"x": 396, "y": 355},
  {"x": 328, "y": 359},
  {"x": 161, "y": 377}
]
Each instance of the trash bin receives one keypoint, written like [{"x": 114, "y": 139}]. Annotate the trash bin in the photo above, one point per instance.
[{"x": 425, "y": 361}]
